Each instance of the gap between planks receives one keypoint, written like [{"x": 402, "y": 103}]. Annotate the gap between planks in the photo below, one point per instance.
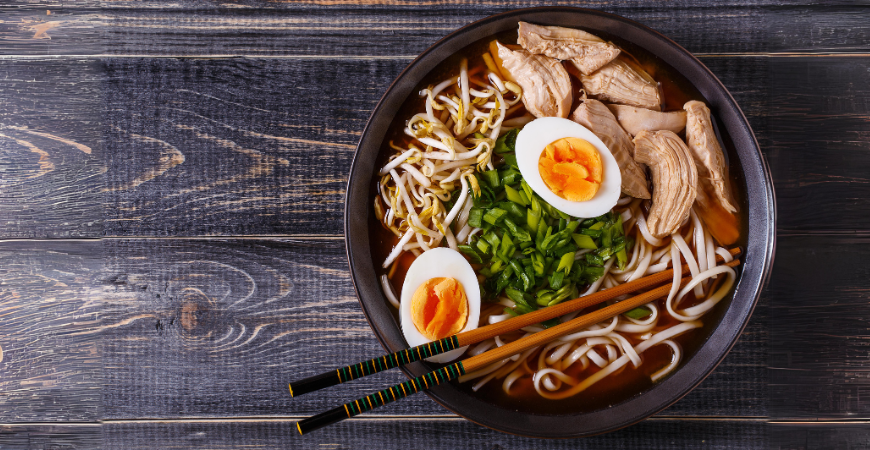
[{"x": 402, "y": 57}]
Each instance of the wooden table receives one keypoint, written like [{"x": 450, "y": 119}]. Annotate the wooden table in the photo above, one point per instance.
[{"x": 171, "y": 185}]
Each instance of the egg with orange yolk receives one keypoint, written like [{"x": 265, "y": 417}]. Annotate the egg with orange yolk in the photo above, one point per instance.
[
  {"x": 440, "y": 298},
  {"x": 568, "y": 166}
]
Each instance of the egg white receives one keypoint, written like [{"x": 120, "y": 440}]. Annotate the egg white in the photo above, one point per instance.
[
  {"x": 439, "y": 262},
  {"x": 539, "y": 133}
]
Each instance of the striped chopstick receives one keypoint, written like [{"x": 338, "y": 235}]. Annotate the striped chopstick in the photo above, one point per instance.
[
  {"x": 476, "y": 362},
  {"x": 420, "y": 352}
]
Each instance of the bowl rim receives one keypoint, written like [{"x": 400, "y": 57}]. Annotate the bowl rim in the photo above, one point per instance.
[{"x": 758, "y": 255}]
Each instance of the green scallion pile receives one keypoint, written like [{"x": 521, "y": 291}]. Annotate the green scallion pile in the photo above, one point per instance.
[{"x": 528, "y": 249}]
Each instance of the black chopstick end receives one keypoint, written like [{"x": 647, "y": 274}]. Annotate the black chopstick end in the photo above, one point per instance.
[
  {"x": 321, "y": 420},
  {"x": 314, "y": 383}
]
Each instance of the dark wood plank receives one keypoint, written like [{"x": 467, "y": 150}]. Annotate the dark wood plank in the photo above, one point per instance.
[
  {"x": 819, "y": 135},
  {"x": 262, "y": 313},
  {"x": 254, "y": 162},
  {"x": 234, "y": 146},
  {"x": 819, "y": 328},
  {"x": 50, "y": 302},
  {"x": 395, "y": 29},
  {"x": 429, "y": 434},
  {"x": 407, "y": 32},
  {"x": 193, "y": 149},
  {"x": 51, "y": 154},
  {"x": 130, "y": 329},
  {"x": 51, "y": 29},
  {"x": 811, "y": 436},
  {"x": 45, "y": 436}
]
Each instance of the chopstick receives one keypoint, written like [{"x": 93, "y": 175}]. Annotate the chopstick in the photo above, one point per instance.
[
  {"x": 473, "y": 363},
  {"x": 404, "y": 357}
]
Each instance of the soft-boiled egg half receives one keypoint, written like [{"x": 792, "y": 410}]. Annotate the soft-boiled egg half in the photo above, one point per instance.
[
  {"x": 568, "y": 166},
  {"x": 440, "y": 298}
]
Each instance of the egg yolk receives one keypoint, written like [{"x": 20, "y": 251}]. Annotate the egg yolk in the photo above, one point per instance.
[
  {"x": 571, "y": 168},
  {"x": 439, "y": 308}
]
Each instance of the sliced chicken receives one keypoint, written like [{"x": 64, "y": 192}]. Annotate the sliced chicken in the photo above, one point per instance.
[
  {"x": 617, "y": 82},
  {"x": 594, "y": 115},
  {"x": 713, "y": 174},
  {"x": 634, "y": 119},
  {"x": 586, "y": 51},
  {"x": 545, "y": 83},
  {"x": 675, "y": 179}
]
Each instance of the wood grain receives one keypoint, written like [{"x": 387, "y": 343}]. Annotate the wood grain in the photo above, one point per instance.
[
  {"x": 187, "y": 343},
  {"x": 407, "y": 32},
  {"x": 216, "y": 328},
  {"x": 819, "y": 138},
  {"x": 429, "y": 434},
  {"x": 191, "y": 150},
  {"x": 808, "y": 436},
  {"x": 262, "y": 313},
  {"x": 51, "y": 154},
  {"x": 50, "y": 436},
  {"x": 49, "y": 302},
  {"x": 255, "y": 163},
  {"x": 819, "y": 329},
  {"x": 397, "y": 30}
]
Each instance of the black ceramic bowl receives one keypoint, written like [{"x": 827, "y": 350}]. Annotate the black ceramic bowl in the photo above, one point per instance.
[{"x": 753, "y": 180}]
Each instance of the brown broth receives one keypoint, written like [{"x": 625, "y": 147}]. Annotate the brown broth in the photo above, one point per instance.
[{"x": 629, "y": 381}]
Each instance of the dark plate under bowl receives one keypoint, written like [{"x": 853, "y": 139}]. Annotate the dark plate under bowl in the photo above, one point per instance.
[{"x": 754, "y": 181}]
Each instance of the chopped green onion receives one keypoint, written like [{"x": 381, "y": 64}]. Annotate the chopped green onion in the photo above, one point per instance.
[
  {"x": 516, "y": 296},
  {"x": 519, "y": 233},
  {"x": 494, "y": 215},
  {"x": 590, "y": 232},
  {"x": 475, "y": 216},
  {"x": 591, "y": 274},
  {"x": 515, "y": 210},
  {"x": 483, "y": 246},
  {"x": 524, "y": 198},
  {"x": 468, "y": 250},
  {"x": 550, "y": 323},
  {"x": 594, "y": 259},
  {"x": 532, "y": 220},
  {"x": 621, "y": 259},
  {"x": 514, "y": 196},
  {"x": 545, "y": 299},
  {"x": 496, "y": 266},
  {"x": 507, "y": 247},
  {"x": 565, "y": 263},
  {"x": 491, "y": 178},
  {"x": 507, "y": 143},
  {"x": 607, "y": 237},
  {"x": 538, "y": 263},
  {"x": 492, "y": 238},
  {"x": 556, "y": 279},
  {"x": 510, "y": 176},
  {"x": 638, "y": 313},
  {"x": 582, "y": 241}
]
